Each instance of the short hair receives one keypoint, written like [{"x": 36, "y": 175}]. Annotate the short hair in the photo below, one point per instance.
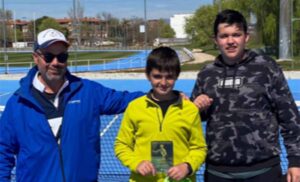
[
  {"x": 163, "y": 59},
  {"x": 230, "y": 17}
]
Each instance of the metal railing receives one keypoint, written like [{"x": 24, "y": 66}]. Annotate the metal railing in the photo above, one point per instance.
[{"x": 87, "y": 65}]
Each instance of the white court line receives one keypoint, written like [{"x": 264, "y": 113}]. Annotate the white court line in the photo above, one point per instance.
[
  {"x": 7, "y": 93},
  {"x": 298, "y": 104},
  {"x": 109, "y": 125}
]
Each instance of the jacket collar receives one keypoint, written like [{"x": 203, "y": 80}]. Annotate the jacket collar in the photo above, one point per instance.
[
  {"x": 26, "y": 84},
  {"x": 249, "y": 55},
  {"x": 150, "y": 102}
]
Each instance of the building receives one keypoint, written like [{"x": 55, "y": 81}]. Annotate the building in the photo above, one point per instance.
[
  {"x": 90, "y": 31},
  {"x": 177, "y": 22}
]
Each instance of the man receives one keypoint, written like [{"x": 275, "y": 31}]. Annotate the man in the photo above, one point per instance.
[
  {"x": 51, "y": 123},
  {"x": 246, "y": 100}
]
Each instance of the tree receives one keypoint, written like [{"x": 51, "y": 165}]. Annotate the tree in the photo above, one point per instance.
[
  {"x": 296, "y": 28},
  {"x": 267, "y": 14},
  {"x": 50, "y": 23},
  {"x": 199, "y": 26},
  {"x": 76, "y": 14},
  {"x": 12, "y": 35},
  {"x": 165, "y": 30},
  {"x": 106, "y": 17},
  {"x": 8, "y": 16}
]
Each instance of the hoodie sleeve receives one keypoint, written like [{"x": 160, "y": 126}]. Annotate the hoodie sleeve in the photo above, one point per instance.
[
  {"x": 8, "y": 144},
  {"x": 287, "y": 115}
]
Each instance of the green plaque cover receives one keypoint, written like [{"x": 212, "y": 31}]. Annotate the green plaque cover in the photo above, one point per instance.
[{"x": 162, "y": 155}]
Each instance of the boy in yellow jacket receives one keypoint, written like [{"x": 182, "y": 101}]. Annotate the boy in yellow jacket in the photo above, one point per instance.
[{"x": 160, "y": 137}]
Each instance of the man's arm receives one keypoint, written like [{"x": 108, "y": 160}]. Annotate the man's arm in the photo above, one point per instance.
[{"x": 111, "y": 101}]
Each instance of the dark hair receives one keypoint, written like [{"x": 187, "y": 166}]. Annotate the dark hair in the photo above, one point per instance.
[
  {"x": 230, "y": 17},
  {"x": 163, "y": 59}
]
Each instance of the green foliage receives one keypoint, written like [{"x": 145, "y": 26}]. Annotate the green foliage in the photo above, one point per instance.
[
  {"x": 15, "y": 34},
  {"x": 165, "y": 30},
  {"x": 48, "y": 22},
  {"x": 266, "y": 13},
  {"x": 296, "y": 28},
  {"x": 270, "y": 31},
  {"x": 199, "y": 27}
]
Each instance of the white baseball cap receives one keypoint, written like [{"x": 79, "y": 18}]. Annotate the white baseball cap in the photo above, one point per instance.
[{"x": 49, "y": 36}]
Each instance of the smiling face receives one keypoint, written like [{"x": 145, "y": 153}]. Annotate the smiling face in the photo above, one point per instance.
[
  {"x": 53, "y": 72},
  {"x": 231, "y": 40},
  {"x": 162, "y": 83}
]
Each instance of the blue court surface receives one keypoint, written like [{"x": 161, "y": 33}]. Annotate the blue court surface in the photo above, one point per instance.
[{"x": 111, "y": 169}]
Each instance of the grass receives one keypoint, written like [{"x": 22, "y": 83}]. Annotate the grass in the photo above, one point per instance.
[
  {"x": 97, "y": 57},
  {"x": 289, "y": 65}
]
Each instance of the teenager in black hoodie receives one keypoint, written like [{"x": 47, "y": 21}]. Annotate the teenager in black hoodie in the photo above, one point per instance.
[{"x": 246, "y": 100}]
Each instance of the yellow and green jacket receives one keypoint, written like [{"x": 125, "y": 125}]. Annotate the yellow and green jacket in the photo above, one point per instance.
[{"x": 143, "y": 123}]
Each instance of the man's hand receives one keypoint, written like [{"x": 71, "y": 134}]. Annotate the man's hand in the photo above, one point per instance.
[
  {"x": 293, "y": 174},
  {"x": 178, "y": 172},
  {"x": 203, "y": 102},
  {"x": 183, "y": 96},
  {"x": 146, "y": 168}
]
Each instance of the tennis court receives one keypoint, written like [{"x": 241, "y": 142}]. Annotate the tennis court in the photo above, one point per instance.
[{"x": 110, "y": 169}]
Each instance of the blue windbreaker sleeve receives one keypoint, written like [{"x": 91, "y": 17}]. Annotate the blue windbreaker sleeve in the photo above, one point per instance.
[
  {"x": 8, "y": 146},
  {"x": 112, "y": 101}
]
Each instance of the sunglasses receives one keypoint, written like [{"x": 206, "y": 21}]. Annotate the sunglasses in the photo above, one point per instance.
[{"x": 49, "y": 57}]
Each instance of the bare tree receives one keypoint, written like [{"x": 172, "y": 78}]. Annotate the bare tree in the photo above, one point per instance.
[{"x": 76, "y": 13}]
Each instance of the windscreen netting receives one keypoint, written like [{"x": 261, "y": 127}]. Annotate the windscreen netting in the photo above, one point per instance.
[{"x": 111, "y": 170}]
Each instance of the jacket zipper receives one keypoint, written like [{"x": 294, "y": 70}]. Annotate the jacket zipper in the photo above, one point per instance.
[
  {"x": 61, "y": 162},
  {"x": 58, "y": 141},
  {"x": 60, "y": 152},
  {"x": 159, "y": 118}
]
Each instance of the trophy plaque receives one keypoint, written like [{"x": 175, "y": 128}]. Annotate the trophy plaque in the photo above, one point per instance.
[{"x": 162, "y": 155}]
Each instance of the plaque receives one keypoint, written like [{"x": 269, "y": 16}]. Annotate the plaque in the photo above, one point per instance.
[{"x": 162, "y": 155}]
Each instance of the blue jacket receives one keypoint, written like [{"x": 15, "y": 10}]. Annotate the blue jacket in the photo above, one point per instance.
[{"x": 26, "y": 135}]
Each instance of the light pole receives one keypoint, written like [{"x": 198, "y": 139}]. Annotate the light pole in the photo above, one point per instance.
[
  {"x": 15, "y": 29},
  {"x": 75, "y": 36},
  {"x": 4, "y": 37},
  {"x": 24, "y": 30},
  {"x": 34, "y": 28},
  {"x": 145, "y": 22},
  {"x": 284, "y": 30}
]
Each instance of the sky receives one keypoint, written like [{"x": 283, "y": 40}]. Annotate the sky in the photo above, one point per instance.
[{"x": 32, "y": 9}]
